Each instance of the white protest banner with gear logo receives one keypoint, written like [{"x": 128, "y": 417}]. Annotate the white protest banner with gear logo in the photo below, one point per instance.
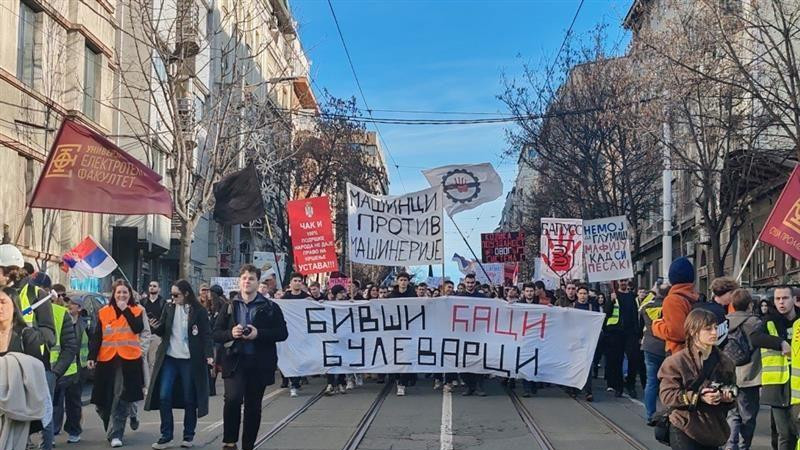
[
  {"x": 561, "y": 248},
  {"x": 607, "y": 249},
  {"x": 402, "y": 230},
  {"x": 445, "y": 334},
  {"x": 466, "y": 186}
]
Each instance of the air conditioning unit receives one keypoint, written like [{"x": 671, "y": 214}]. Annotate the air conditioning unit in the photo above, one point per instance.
[
  {"x": 690, "y": 248},
  {"x": 639, "y": 266},
  {"x": 186, "y": 120}
]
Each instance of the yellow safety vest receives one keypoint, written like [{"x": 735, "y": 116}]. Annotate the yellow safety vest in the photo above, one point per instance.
[
  {"x": 774, "y": 366},
  {"x": 25, "y": 302},
  {"x": 84, "y": 353},
  {"x": 58, "y": 317},
  {"x": 614, "y": 318},
  {"x": 795, "y": 364}
]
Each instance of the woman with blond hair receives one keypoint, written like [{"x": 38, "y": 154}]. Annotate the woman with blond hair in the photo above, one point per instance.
[{"x": 698, "y": 386}]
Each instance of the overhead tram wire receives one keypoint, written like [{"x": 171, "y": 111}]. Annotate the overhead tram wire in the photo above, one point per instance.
[{"x": 363, "y": 97}]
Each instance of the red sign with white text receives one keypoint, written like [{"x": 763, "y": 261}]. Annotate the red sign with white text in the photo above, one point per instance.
[
  {"x": 782, "y": 229},
  {"x": 311, "y": 231}
]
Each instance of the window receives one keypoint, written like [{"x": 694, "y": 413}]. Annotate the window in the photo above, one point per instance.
[
  {"x": 26, "y": 44},
  {"x": 91, "y": 81}
]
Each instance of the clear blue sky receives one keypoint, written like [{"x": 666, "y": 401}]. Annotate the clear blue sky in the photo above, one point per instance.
[{"x": 441, "y": 55}]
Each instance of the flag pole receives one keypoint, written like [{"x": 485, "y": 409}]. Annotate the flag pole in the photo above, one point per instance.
[
  {"x": 478, "y": 260},
  {"x": 747, "y": 260}
]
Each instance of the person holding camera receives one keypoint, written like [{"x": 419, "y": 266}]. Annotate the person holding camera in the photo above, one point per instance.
[
  {"x": 697, "y": 384},
  {"x": 248, "y": 327}
]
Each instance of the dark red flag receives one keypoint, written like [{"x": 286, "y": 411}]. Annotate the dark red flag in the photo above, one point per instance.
[
  {"x": 311, "y": 230},
  {"x": 87, "y": 172},
  {"x": 782, "y": 229}
]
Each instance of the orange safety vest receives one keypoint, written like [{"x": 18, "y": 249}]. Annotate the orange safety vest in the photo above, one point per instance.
[{"x": 118, "y": 339}]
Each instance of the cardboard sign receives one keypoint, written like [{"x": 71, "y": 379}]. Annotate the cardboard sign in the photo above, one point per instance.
[
  {"x": 311, "y": 229},
  {"x": 606, "y": 249},
  {"x": 402, "y": 230},
  {"x": 445, "y": 334},
  {"x": 561, "y": 247},
  {"x": 503, "y": 247}
]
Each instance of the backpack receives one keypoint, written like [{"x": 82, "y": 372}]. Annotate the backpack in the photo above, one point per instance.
[{"x": 737, "y": 347}]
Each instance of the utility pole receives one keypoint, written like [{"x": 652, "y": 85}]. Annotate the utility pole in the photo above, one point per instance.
[{"x": 666, "y": 239}]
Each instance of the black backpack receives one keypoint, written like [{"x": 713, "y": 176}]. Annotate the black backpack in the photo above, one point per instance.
[{"x": 737, "y": 347}]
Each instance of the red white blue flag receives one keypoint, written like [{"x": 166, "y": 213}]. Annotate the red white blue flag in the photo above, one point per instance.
[{"x": 88, "y": 259}]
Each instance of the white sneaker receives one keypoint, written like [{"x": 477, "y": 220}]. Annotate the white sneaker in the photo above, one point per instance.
[
  {"x": 437, "y": 385},
  {"x": 115, "y": 443},
  {"x": 293, "y": 392},
  {"x": 350, "y": 385},
  {"x": 74, "y": 439},
  {"x": 330, "y": 390},
  {"x": 158, "y": 445},
  {"x": 401, "y": 391},
  {"x": 342, "y": 390},
  {"x": 187, "y": 444}
]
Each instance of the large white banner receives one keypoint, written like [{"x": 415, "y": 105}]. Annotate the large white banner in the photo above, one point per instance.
[
  {"x": 561, "y": 247},
  {"x": 402, "y": 230},
  {"x": 607, "y": 249},
  {"x": 466, "y": 186},
  {"x": 445, "y": 334}
]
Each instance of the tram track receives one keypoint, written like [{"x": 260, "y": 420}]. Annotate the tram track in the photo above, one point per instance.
[
  {"x": 530, "y": 422},
  {"x": 627, "y": 437},
  {"x": 366, "y": 420},
  {"x": 283, "y": 423}
]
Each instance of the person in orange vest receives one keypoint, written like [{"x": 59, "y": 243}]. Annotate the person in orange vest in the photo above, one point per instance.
[{"x": 116, "y": 356}]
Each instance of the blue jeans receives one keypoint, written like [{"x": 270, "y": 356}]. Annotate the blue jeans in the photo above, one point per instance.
[
  {"x": 171, "y": 370},
  {"x": 652, "y": 362}
]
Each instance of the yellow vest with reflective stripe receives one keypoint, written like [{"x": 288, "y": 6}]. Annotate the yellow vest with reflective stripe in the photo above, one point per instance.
[
  {"x": 614, "y": 318},
  {"x": 25, "y": 302},
  {"x": 796, "y": 365},
  {"x": 58, "y": 318},
  {"x": 774, "y": 366}
]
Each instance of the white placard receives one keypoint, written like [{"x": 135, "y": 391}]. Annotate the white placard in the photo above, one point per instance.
[
  {"x": 607, "y": 249},
  {"x": 445, "y": 334},
  {"x": 403, "y": 230},
  {"x": 228, "y": 284},
  {"x": 561, "y": 247}
]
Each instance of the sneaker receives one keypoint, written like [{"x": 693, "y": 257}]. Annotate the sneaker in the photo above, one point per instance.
[
  {"x": 401, "y": 390},
  {"x": 618, "y": 394},
  {"x": 285, "y": 383},
  {"x": 589, "y": 398},
  {"x": 342, "y": 390},
  {"x": 631, "y": 391},
  {"x": 229, "y": 446},
  {"x": 468, "y": 392},
  {"x": 480, "y": 392},
  {"x": 187, "y": 444},
  {"x": 330, "y": 390},
  {"x": 350, "y": 385},
  {"x": 609, "y": 389},
  {"x": 134, "y": 423},
  {"x": 437, "y": 385},
  {"x": 526, "y": 394},
  {"x": 162, "y": 444},
  {"x": 116, "y": 443},
  {"x": 73, "y": 439},
  {"x": 293, "y": 392}
]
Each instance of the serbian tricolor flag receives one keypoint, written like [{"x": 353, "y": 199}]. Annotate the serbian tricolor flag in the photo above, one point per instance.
[{"x": 88, "y": 259}]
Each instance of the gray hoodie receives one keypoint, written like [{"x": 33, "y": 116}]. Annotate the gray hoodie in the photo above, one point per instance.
[{"x": 749, "y": 375}]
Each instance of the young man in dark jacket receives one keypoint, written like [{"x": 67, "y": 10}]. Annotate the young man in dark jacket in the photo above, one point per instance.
[
  {"x": 622, "y": 334},
  {"x": 403, "y": 290},
  {"x": 473, "y": 381},
  {"x": 248, "y": 328}
]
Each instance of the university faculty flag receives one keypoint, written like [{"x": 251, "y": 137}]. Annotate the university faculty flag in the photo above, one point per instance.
[
  {"x": 87, "y": 172},
  {"x": 466, "y": 186},
  {"x": 88, "y": 259},
  {"x": 782, "y": 229}
]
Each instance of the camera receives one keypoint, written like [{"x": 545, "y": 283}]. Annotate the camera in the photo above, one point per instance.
[
  {"x": 731, "y": 389},
  {"x": 247, "y": 331}
]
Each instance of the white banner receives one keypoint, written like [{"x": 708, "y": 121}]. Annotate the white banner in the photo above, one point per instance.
[
  {"x": 607, "y": 249},
  {"x": 402, "y": 230},
  {"x": 466, "y": 186},
  {"x": 228, "y": 284},
  {"x": 561, "y": 248},
  {"x": 496, "y": 272},
  {"x": 445, "y": 334}
]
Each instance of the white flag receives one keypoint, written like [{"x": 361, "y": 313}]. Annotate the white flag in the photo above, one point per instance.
[{"x": 466, "y": 185}]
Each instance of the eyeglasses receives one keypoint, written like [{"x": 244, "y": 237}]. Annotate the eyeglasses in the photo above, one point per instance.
[
  {"x": 174, "y": 295},
  {"x": 62, "y": 295}
]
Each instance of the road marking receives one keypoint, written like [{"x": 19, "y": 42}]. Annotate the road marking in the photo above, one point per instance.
[
  {"x": 218, "y": 423},
  {"x": 446, "y": 436}
]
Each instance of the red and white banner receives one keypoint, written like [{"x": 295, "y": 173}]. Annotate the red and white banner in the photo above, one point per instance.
[
  {"x": 561, "y": 248},
  {"x": 782, "y": 229},
  {"x": 311, "y": 230},
  {"x": 87, "y": 172}
]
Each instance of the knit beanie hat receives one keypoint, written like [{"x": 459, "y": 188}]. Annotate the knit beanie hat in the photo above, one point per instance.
[{"x": 681, "y": 271}]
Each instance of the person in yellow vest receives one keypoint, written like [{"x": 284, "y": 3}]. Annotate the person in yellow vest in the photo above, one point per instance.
[
  {"x": 67, "y": 398},
  {"x": 116, "y": 356},
  {"x": 775, "y": 367}
]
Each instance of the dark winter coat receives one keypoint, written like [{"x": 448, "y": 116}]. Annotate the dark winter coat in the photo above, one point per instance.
[
  {"x": 200, "y": 348},
  {"x": 268, "y": 320}
]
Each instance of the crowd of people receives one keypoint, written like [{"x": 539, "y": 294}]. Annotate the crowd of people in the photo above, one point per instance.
[{"x": 705, "y": 366}]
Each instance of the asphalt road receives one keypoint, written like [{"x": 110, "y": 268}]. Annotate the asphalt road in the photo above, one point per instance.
[{"x": 372, "y": 417}]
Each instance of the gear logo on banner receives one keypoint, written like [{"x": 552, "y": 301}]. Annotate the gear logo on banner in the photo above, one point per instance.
[{"x": 461, "y": 186}]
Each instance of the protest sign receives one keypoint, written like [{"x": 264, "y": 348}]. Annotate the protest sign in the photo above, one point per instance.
[
  {"x": 311, "y": 230},
  {"x": 495, "y": 271},
  {"x": 606, "y": 249},
  {"x": 266, "y": 261},
  {"x": 445, "y": 334},
  {"x": 503, "y": 247},
  {"x": 561, "y": 247},
  {"x": 401, "y": 230},
  {"x": 344, "y": 282},
  {"x": 228, "y": 284}
]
